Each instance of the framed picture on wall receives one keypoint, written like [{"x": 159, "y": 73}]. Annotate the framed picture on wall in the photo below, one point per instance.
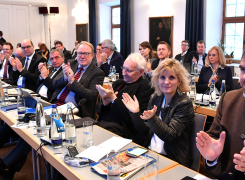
[
  {"x": 82, "y": 32},
  {"x": 161, "y": 29}
]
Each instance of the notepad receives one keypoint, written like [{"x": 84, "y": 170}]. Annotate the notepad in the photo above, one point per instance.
[{"x": 8, "y": 108}]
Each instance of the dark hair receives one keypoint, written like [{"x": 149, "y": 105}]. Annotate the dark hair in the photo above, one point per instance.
[
  {"x": 19, "y": 44},
  {"x": 57, "y": 50},
  {"x": 9, "y": 44},
  {"x": 1, "y": 43},
  {"x": 201, "y": 42},
  {"x": 186, "y": 41},
  {"x": 59, "y": 42},
  {"x": 1, "y": 33},
  {"x": 99, "y": 44},
  {"x": 146, "y": 44},
  {"x": 163, "y": 42},
  {"x": 43, "y": 46}
]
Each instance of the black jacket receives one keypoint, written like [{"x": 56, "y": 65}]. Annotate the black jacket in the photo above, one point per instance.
[
  {"x": 67, "y": 55},
  {"x": 10, "y": 72},
  {"x": 174, "y": 129},
  {"x": 178, "y": 57},
  {"x": 195, "y": 54},
  {"x": 223, "y": 74}
]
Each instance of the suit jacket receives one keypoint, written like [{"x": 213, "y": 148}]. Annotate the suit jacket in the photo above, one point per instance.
[
  {"x": 48, "y": 82},
  {"x": 10, "y": 72},
  {"x": 84, "y": 88},
  {"x": 223, "y": 74},
  {"x": 117, "y": 61},
  {"x": 195, "y": 54},
  {"x": 3, "y": 40},
  {"x": 67, "y": 55},
  {"x": 32, "y": 74},
  {"x": 178, "y": 57},
  {"x": 229, "y": 118},
  {"x": 154, "y": 64},
  {"x": 119, "y": 115}
]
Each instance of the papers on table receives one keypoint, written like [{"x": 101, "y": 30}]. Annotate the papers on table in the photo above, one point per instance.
[
  {"x": 95, "y": 153},
  {"x": 22, "y": 125},
  {"x": 205, "y": 97},
  {"x": 200, "y": 177}
]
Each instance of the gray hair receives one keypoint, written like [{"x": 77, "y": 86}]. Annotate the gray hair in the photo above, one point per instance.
[
  {"x": 139, "y": 59},
  {"x": 108, "y": 43},
  {"x": 57, "y": 50}
]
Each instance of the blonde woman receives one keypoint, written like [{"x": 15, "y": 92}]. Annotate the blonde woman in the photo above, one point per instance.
[
  {"x": 216, "y": 69},
  {"x": 170, "y": 113}
]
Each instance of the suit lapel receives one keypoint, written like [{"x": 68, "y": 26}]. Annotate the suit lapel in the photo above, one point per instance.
[
  {"x": 87, "y": 72},
  {"x": 57, "y": 73}
]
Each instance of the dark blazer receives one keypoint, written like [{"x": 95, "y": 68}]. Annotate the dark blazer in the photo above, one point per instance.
[
  {"x": 154, "y": 64},
  {"x": 3, "y": 40},
  {"x": 174, "y": 127},
  {"x": 10, "y": 71},
  {"x": 85, "y": 88},
  {"x": 67, "y": 55},
  {"x": 117, "y": 61},
  {"x": 32, "y": 74},
  {"x": 40, "y": 52},
  {"x": 48, "y": 82},
  {"x": 229, "y": 118},
  {"x": 206, "y": 73},
  {"x": 119, "y": 114},
  {"x": 195, "y": 54},
  {"x": 178, "y": 57}
]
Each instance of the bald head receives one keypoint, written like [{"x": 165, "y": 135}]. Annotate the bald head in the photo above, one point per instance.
[
  {"x": 19, "y": 53},
  {"x": 39, "y": 44},
  {"x": 27, "y": 47}
]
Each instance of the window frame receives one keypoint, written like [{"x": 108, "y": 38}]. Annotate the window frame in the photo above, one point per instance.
[
  {"x": 232, "y": 20},
  {"x": 112, "y": 25}
]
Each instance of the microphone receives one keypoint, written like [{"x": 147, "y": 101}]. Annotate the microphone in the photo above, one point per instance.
[{"x": 81, "y": 102}]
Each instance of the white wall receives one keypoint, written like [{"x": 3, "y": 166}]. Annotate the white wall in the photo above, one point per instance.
[
  {"x": 144, "y": 9},
  {"x": 213, "y": 26}
]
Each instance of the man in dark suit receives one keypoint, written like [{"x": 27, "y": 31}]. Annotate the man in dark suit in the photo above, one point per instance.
[
  {"x": 185, "y": 45},
  {"x": 27, "y": 67},
  {"x": 67, "y": 54},
  {"x": 198, "y": 56},
  {"x": 1, "y": 37},
  {"x": 78, "y": 81},
  {"x": 45, "y": 82},
  {"x": 74, "y": 49},
  {"x": 110, "y": 58},
  {"x": 19, "y": 53},
  {"x": 6, "y": 69},
  {"x": 38, "y": 50},
  {"x": 163, "y": 51},
  {"x": 113, "y": 115}
]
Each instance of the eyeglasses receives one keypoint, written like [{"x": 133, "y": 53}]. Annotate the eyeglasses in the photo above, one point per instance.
[
  {"x": 127, "y": 70},
  {"x": 103, "y": 47},
  {"x": 56, "y": 57},
  {"x": 184, "y": 45},
  {"x": 98, "y": 49},
  {"x": 83, "y": 53},
  {"x": 27, "y": 47}
]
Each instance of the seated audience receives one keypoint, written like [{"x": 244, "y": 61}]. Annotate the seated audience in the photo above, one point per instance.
[
  {"x": 1, "y": 47},
  {"x": 45, "y": 82},
  {"x": 6, "y": 68},
  {"x": 75, "y": 52},
  {"x": 78, "y": 81},
  {"x": 185, "y": 45},
  {"x": 54, "y": 44},
  {"x": 1, "y": 37},
  {"x": 110, "y": 58},
  {"x": 216, "y": 69},
  {"x": 198, "y": 56},
  {"x": 223, "y": 145},
  {"x": 163, "y": 51},
  {"x": 18, "y": 45},
  {"x": 98, "y": 54},
  {"x": 39, "y": 49},
  {"x": 44, "y": 52},
  {"x": 74, "y": 49},
  {"x": 67, "y": 54},
  {"x": 27, "y": 67},
  {"x": 113, "y": 115},
  {"x": 170, "y": 114},
  {"x": 19, "y": 53}
]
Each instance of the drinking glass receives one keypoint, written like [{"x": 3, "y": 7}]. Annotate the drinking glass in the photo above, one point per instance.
[{"x": 88, "y": 139}]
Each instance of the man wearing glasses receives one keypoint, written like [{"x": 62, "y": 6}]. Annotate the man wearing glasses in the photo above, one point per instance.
[
  {"x": 78, "y": 81},
  {"x": 110, "y": 58},
  {"x": 113, "y": 115},
  {"x": 27, "y": 67},
  {"x": 185, "y": 45},
  {"x": 223, "y": 145}
]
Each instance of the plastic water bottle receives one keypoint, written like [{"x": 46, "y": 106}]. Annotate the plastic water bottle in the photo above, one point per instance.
[
  {"x": 212, "y": 95},
  {"x": 56, "y": 137},
  {"x": 70, "y": 129},
  {"x": 223, "y": 88},
  {"x": 2, "y": 96},
  {"x": 20, "y": 104},
  {"x": 193, "y": 90},
  {"x": 40, "y": 120},
  {"x": 195, "y": 69},
  {"x": 113, "y": 74}
]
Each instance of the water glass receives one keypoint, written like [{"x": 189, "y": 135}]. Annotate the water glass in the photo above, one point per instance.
[
  {"x": 6, "y": 94},
  {"x": 151, "y": 171},
  {"x": 113, "y": 166},
  {"x": 117, "y": 76},
  {"x": 88, "y": 139}
]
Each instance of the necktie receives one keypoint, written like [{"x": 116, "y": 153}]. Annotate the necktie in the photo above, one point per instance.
[
  {"x": 26, "y": 64},
  {"x": 52, "y": 73},
  {"x": 5, "y": 73},
  {"x": 66, "y": 91}
]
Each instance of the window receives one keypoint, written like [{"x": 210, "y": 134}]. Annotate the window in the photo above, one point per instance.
[
  {"x": 234, "y": 27},
  {"x": 115, "y": 26}
]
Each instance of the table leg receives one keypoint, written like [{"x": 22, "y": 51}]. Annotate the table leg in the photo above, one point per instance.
[
  {"x": 38, "y": 167},
  {"x": 47, "y": 173},
  {"x": 34, "y": 164},
  {"x": 52, "y": 171}
]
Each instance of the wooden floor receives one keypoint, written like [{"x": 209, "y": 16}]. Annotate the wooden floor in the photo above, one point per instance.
[{"x": 26, "y": 172}]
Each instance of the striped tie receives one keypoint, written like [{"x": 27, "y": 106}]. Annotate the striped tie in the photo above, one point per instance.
[{"x": 66, "y": 91}]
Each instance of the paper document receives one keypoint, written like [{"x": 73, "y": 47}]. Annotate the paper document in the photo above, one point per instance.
[
  {"x": 200, "y": 177},
  {"x": 95, "y": 153}
]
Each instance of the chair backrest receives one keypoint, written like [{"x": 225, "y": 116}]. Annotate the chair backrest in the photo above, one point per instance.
[{"x": 198, "y": 125}]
